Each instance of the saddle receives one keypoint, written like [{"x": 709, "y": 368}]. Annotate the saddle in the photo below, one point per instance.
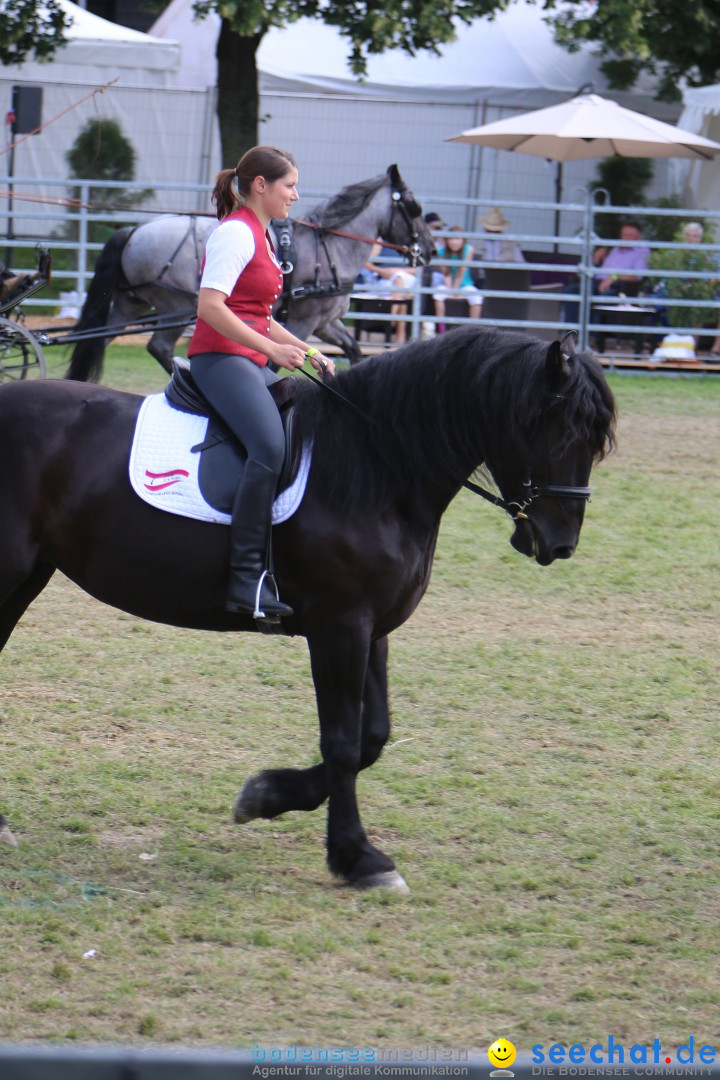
[{"x": 222, "y": 456}]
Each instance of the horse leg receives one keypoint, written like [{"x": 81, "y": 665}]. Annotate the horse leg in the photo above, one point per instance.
[
  {"x": 87, "y": 359},
  {"x": 161, "y": 347},
  {"x": 169, "y": 305},
  {"x": 334, "y": 333},
  {"x": 273, "y": 792},
  {"x": 340, "y": 657},
  {"x": 12, "y": 608}
]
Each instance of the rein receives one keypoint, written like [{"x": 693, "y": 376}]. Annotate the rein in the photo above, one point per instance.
[
  {"x": 402, "y": 248},
  {"x": 341, "y": 397}
]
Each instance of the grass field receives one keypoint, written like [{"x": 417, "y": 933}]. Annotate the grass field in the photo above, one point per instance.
[{"x": 551, "y": 794}]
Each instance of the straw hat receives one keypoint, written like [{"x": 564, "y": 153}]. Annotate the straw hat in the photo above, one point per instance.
[{"x": 494, "y": 220}]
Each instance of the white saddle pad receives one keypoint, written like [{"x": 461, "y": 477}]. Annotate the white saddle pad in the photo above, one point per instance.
[{"x": 164, "y": 472}]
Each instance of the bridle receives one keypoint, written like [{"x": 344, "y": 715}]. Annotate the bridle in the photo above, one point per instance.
[
  {"x": 531, "y": 490},
  {"x": 515, "y": 508},
  {"x": 411, "y": 211}
]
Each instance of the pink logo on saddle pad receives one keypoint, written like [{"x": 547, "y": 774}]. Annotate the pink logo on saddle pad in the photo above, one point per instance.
[{"x": 159, "y": 481}]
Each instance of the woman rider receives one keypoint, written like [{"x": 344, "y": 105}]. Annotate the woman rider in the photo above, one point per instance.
[{"x": 235, "y": 336}]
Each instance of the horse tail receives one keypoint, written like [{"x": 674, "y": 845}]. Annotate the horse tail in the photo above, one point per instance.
[{"x": 86, "y": 361}]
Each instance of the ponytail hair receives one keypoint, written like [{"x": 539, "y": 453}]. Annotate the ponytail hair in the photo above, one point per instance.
[{"x": 266, "y": 161}]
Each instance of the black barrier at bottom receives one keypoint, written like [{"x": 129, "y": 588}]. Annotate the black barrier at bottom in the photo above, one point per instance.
[{"x": 119, "y": 1063}]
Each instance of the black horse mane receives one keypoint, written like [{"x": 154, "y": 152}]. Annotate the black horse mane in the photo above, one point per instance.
[
  {"x": 437, "y": 409},
  {"x": 347, "y": 204}
]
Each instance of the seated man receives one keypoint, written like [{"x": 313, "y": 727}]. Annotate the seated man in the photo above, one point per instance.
[
  {"x": 622, "y": 264},
  {"x": 496, "y": 248}
]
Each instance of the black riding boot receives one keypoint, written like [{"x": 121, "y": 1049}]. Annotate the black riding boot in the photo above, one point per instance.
[{"x": 249, "y": 591}]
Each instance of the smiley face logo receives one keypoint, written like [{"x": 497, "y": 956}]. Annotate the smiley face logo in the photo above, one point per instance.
[{"x": 502, "y": 1053}]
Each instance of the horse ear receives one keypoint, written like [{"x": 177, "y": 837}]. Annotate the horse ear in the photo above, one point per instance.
[
  {"x": 394, "y": 175},
  {"x": 557, "y": 362}
]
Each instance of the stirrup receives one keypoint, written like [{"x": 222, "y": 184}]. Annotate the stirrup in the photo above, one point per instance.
[{"x": 258, "y": 613}]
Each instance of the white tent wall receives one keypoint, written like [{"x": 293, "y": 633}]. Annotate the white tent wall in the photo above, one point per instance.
[
  {"x": 338, "y": 140},
  {"x": 342, "y": 129},
  {"x": 167, "y": 127},
  {"x": 699, "y": 182},
  {"x": 168, "y": 130}
]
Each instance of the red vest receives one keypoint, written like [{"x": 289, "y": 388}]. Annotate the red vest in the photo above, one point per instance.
[{"x": 252, "y": 298}]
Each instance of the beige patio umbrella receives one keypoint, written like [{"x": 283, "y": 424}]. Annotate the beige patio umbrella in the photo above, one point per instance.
[{"x": 588, "y": 126}]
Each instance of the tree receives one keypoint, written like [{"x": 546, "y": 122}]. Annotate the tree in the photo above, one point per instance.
[
  {"x": 677, "y": 288},
  {"x": 102, "y": 151},
  {"x": 671, "y": 40},
  {"x": 625, "y": 178},
  {"x": 30, "y": 28},
  {"x": 369, "y": 27}
]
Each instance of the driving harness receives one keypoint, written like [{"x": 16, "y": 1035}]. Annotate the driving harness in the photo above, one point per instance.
[{"x": 284, "y": 229}]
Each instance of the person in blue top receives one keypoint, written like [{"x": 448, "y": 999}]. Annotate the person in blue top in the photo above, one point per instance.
[{"x": 456, "y": 254}]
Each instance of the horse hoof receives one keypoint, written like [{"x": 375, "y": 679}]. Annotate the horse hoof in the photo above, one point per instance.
[
  {"x": 248, "y": 805},
  {"x": 388, "y": 879},
  {"x": 6, "y": 837}
]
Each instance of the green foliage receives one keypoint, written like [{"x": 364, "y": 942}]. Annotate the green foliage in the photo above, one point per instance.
[
  {"x": 625, "y": 178},
  {"x": 659, "y": 227},
  {"x": 101, "y": 151},
  {"x": 672, "y": 41},
  {"x": 692, "y": 260},
  {"x": 30, "y": 29},
  {"x": 370, "y": 28}
]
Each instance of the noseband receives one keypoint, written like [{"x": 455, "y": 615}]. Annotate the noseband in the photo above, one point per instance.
[{"x": 531, "y": 490}]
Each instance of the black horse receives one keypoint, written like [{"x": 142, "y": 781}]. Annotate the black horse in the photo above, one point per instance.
[{"x": 355, "y": 559}]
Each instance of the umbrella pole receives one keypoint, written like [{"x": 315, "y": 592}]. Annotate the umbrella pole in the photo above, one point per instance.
[{"x": 558, "y": 199}]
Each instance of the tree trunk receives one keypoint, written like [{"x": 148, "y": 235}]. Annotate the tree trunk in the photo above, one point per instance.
[{"x": 237, "y": 103}]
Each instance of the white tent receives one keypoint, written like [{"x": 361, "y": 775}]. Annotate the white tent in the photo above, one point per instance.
[
  {"x": 93, "y": 47},
  {"x": 511, "y": 60},
  {"x": 504, "y": 59},
  {"x": 343, "y": 129},
  {"x": 699, "y": 183},
  {"x": 159, "y": 121}
]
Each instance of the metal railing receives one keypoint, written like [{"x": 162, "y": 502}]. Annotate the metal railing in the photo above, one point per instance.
[{"x": 53, "y": 223}]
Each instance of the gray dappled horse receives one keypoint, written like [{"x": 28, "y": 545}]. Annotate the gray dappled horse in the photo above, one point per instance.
[{"x": 157, "y": 265}]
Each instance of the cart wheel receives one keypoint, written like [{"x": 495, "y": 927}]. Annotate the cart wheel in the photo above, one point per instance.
[{"x": 20, "y": 354}]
